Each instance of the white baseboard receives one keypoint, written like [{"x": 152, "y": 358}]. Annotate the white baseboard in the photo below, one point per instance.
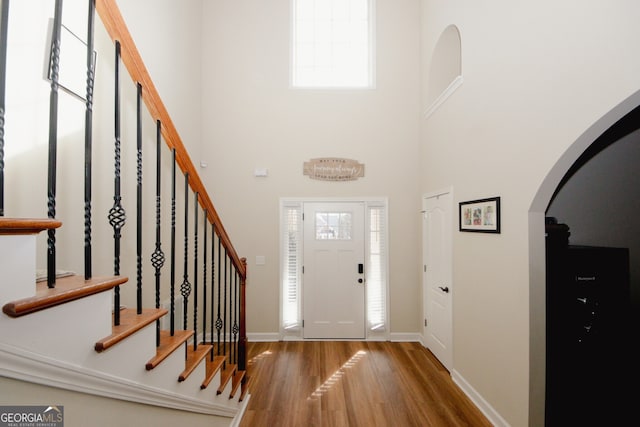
[
  {"x": 492, "y": 415},
  {"x": 274, "y": 336},
  {"x": 405, "y": 337},
  {"x": 263, "y": 336}
]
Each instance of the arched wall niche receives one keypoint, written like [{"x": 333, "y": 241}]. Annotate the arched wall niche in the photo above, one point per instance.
[
  {"x": 445, "y": 73},
  {"x": 537, "y": 271}
]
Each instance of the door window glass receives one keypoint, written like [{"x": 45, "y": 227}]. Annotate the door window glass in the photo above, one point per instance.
[{"x": 333, "y": 225}]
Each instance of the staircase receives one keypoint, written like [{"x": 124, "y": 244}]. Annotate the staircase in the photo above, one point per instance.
[
  {"x": 64, "y": 337},
  {"x": 76, "y": 331}
]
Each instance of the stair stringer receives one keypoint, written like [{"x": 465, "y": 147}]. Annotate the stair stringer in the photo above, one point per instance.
[
  {"x": 119, "y": 371},
  {"x": 28, "y": 366}
]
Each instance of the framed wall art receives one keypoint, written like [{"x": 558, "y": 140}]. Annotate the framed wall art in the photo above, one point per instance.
[{"x": 482, "y": 215}]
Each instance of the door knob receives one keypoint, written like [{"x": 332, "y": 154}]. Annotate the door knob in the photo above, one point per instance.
[
  {"x": 445, "y": 289},
  {"x": 360, "y": 280}
]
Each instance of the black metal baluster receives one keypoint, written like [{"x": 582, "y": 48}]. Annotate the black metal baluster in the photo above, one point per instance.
[
  {"x": 173, "y": 244},
  {"x": 157, "y": 257},
  {"x": 53, "y": 143},
  {"x": 185, "y": 287},
  {"x": 224, "y": 305},
  {"x": 231, "y": 358},
  {"x": 236, "y": 329},
  {"x": 242, "y": 330},
  {"x": 117, "y": 216},
  {"x": 139, "y": 201},
  {"x": 4, "y": 24},
  {"x": 88, "y": 141},
  {"x": 218, "y": 319},
  {"x": 204, "y": 281},
  {"x": 213, "y": 284},
  {"x": 195, "y": 273}
]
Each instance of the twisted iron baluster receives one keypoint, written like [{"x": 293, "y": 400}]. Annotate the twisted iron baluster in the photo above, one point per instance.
[
  {"x": 157, "y": 257},
  {"x": 185, "y": 287},
  {"x": 231, "y": 314},
  {"x": 4, "y": 23},
  {"x": 117, "y": 216},
  {"x": 195, "y": 273},
  {"x": 242, "y": 343},
  {"x": 218, "y": 319},
  {"x": 88, "y": 140},
  {"x": 204, "y": 281},
  {"x": 53, "y": 143},
  {"x": 236, "y": 329},
  {"x": 224, "y": 305},
  {"x": 139, "y": 201},
  {"x": 173, "y": 243},
  {"x": 213, "y": 281}
]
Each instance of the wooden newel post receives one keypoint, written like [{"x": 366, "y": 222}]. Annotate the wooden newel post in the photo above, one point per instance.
[{"x": 242, "y": 344}]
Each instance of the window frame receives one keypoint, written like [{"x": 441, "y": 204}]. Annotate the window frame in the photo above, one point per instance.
[{"x": 371, "y": 71}]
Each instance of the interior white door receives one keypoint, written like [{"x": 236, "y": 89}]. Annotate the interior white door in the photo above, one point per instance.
[
  {"x": 333, "y": 271},
  {"x": 437, "y": 287}
]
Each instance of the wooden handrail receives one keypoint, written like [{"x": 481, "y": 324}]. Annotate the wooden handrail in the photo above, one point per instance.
[{"x": 116, "y": 27}]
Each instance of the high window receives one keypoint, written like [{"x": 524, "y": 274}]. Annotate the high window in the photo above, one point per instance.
[{"x": 332, "y": 43}]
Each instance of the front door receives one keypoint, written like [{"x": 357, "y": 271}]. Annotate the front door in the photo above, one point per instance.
[
  {"x": 333, "y": 270},
  {"x": 437, "y": 286}
]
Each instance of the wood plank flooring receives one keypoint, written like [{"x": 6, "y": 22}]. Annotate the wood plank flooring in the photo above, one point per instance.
[{"x": 352, "y": 383}]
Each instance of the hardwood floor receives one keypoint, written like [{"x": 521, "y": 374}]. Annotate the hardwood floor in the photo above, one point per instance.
[{"x": 352, "y": 383}]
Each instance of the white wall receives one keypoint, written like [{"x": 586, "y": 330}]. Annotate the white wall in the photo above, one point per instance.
[
  {"x": 252, "y": 118},
  {"x": 168, "y": 35},
  {"x": 536, "y": 76}
]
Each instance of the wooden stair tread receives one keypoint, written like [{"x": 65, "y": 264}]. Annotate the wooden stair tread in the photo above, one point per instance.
[
  {"x": 213, "y": 366},
  {"x": 67, "y": 289},
  {"x": 245, "y": 388},
  {"x": 130, "y": 322},
  {"x": 237, "y": 380},
  {"x": 194, "y": 357},
  {"x": 168, "y": 344},
  {"x": 27, "y": 225},
  {"x": 226, "y": 375}
]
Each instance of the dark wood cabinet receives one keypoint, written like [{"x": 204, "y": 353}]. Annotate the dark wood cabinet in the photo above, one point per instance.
[{"x": 587, "y": 329}]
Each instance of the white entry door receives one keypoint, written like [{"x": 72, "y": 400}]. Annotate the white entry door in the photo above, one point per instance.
[
  {"x": 333, "y": 270},
  {"x": 437, "y": 287}
]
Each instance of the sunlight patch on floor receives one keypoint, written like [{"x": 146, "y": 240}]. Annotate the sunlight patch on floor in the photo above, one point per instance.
[
  {"x": 260, "y": 356},
  {"x": 325, "y": 386}
]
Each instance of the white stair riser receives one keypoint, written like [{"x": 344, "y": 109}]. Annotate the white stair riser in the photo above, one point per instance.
[
  {"x": 63, "y": 331},
  {"x": 18, "y": 255}
]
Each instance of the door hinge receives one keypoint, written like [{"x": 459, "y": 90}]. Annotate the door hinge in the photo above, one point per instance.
[
  {"x": 303, "y": 269},
  {"x": 303, "y": 323},
  {"x": 425, "y": 322},
  {"x": 425, "y": 268}
]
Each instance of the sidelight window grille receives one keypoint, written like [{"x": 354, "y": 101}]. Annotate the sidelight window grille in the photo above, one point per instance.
[
  {"x": 377, "y": 268},
  {"x": 291, "y": 268}
]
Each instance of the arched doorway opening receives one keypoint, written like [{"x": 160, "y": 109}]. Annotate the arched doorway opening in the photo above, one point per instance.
[{"x": 600, "y": 135}]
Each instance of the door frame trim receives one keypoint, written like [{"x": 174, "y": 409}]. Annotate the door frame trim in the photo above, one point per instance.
[
  {"x": 297, "y": 335},
  {"x": 425, "y": 196}
]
